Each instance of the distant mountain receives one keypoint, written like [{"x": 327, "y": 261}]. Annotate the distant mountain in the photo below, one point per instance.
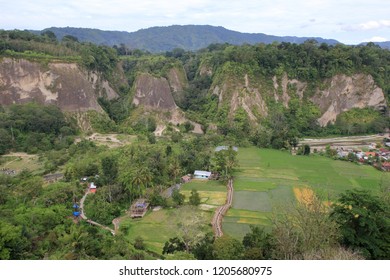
[
  {"x": 383, "y": 45},
  {"x": 188, "y": 37}
]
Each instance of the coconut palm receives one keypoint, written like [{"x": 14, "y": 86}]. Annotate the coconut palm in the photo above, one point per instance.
[
  {"x": 141, "y": 178},
  {"x": 174, "y": 169}
]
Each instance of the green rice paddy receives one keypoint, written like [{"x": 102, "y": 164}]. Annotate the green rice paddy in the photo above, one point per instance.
[
  {"x": 263, "y": 184},
  {"x": 265, "y": 179}
]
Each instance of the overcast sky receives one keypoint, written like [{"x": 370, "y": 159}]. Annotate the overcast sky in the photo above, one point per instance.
[{"x": 348, "y": 21}]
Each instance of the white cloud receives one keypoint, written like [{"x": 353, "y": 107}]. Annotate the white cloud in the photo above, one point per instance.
[
  {"x": 374, "y": 24},
  {"x": 376, "y": 39}
]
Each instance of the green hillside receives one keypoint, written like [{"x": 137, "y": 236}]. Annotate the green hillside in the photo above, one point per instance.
[{"x": 162, "y": 39}]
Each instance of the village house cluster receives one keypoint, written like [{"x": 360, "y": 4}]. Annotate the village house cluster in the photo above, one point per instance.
[{"x": 377, "y": 157}]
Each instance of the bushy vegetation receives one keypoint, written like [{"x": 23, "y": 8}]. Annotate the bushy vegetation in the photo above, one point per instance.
[
  {"x": 354, "y": 228},
  {"x": 32, "y": 128}
]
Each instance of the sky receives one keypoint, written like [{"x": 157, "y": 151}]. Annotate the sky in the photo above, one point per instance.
[{"x": 348, "y": 21}]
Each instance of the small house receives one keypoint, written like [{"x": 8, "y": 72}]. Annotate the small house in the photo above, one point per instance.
[
  {"x": 360, "y": 155},
  {"x": 200, "y": 174},
  {"x": 370, "y": 154},
  {"x": 92, "y": 187},
  {"x": 139, "y": 208},
  {"x": 342, "y": 154},
  {"x": 386, "y": 166},
  {"x": 225, "y": 148},
  {"x": 384, "y": 152},
  {"x": 51, "y": 178},
  {"x": 372, "y": 146},
  {"x": 186, "y": 178}
]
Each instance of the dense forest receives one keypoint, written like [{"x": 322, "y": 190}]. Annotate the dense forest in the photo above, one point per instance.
[
  {"x": 36, "y": 219},
  {"x": 161, "y": 39}
]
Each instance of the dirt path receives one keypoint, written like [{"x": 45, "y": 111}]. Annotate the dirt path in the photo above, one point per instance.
[
  {"x": 222, "y": 210},
  {"x": 20, "y": 154},
  {"x": 84, "y": 217}
]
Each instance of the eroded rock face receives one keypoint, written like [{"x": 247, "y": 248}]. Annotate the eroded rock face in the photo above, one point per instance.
[
  {"x": 338, "y": 94},
  {"x": 284, "y": 97},
  {"x": 61, "y": 84},
  {"x": 154, "y": 93},
  {"x": 177, "y": 79},
  {"x": 242, "y": 95},
  {"x": 345, "y": 93}
]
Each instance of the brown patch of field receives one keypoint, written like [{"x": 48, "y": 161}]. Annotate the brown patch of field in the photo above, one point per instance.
[
  {"x": 328, "y": 203},
  {"x": 21, "y": 161},
  {"x": 111, "y": 140}
]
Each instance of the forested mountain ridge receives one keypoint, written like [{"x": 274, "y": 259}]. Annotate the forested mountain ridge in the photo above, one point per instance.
[
  {"x": 299, "y": 89},
  {"x": 188, "y": 37}
]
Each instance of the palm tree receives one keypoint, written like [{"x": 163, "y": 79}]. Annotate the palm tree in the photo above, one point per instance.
[
  {"x": 141, "y": 178},
  {"x": 126, "y": 179},
  {"x": 75, "y": 240},
  {"x": 175, "y": 169}
]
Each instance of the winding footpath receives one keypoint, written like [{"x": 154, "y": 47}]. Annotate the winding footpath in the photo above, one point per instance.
[
  {"x": 84, "y": 217},
  {"x": 222, "y": 210}
]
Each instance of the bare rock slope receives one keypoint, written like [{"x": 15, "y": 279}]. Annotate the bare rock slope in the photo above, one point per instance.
[
  {"x": 345, "y": 93},
  {"x": 152, "y": 92},
  {"x": 336, "y": 95},
  {"x": 61, "y": 84}
]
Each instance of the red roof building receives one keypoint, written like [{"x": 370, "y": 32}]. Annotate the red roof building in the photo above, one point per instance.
[
  {"x": 386, "y": 166},
  {"x": 370, "y": 154},
  {"x": 92, "y": 188}
]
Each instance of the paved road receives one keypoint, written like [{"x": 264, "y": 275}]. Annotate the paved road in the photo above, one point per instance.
[
  {"x": 350, "y": 142},
  {"x": 348, "y": 139}
]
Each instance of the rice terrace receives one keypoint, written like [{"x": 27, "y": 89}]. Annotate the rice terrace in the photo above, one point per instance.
[
  {"x": 268, "y": 180},
  {"x": 265, "y": 181}
]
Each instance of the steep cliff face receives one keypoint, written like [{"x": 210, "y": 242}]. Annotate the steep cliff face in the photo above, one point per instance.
[
  {"x": 177, "y": 80},
  {"x": 153, "y": 93},
  {"x": 336, "y": 95},
  {"x": 286, "y": 86},
  {"x": 156, "y": 94},
  {"x": 344, "y": 93},
  {"x": 74, "y": 90},
  {"x": 242, "y": 93},
  {"x": 61, "y": 84}
]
